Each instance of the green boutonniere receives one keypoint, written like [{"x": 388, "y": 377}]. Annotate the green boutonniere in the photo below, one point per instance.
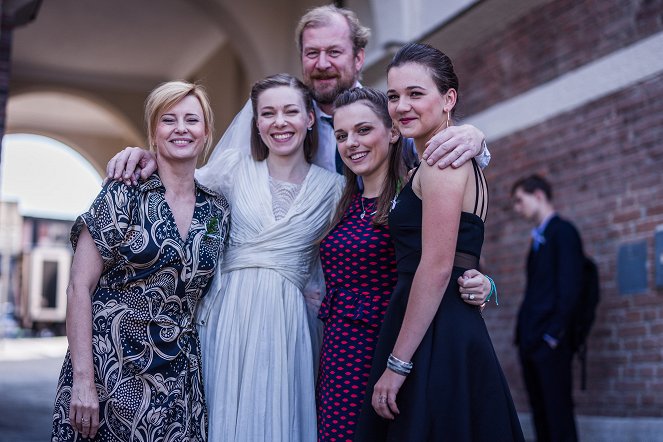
[{"x": 212, "y": 228}]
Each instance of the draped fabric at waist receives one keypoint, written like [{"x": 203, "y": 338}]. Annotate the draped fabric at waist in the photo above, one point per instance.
[
  {"x": 463, "y": 260},
  {"x": 288, "y": 263},
  {"x": 351, "y": 305},
  {"x": 272, "y": 250}
]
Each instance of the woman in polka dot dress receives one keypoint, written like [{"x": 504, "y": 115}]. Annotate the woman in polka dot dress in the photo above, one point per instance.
[{"x": 358, "y": 260}]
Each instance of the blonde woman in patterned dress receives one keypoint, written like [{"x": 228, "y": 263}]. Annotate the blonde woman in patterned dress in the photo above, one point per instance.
[{"x": 143, "y": 258}]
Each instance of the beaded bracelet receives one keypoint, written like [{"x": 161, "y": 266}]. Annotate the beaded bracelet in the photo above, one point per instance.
[{"x": 493, "y": 289}]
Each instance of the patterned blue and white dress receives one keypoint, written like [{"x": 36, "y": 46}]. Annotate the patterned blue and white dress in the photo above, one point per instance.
[{"x": 145, "y": 346}]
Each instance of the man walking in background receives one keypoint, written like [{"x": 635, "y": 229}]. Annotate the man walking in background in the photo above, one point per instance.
[{"x": 543, "y": 332}]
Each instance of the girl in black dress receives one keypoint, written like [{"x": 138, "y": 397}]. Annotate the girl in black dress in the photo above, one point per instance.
[{"x": 423, "y": 384}]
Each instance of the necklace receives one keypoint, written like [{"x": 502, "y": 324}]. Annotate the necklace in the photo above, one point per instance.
[
  {"x": 395, "y": 200},
  {"x": 363, "y": 210}
]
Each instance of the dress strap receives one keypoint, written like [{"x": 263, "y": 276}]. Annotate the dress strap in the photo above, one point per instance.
[
  {"x": 481, "y": 191},
  {"x": 416, "y": 169}
]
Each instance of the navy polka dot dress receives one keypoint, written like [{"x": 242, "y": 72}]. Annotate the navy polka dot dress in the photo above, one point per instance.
[{"x": 360, "y": 273}]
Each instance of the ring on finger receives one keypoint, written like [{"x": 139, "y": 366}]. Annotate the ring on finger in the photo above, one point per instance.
[
  {"x": 470, "y": 296},
  {"x": 382, "y": 399}
]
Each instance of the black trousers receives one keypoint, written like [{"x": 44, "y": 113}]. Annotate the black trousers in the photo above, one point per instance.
[{"x": 548, "y": 379}]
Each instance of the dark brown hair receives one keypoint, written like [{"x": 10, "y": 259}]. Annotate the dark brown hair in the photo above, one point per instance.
[
  {"x": 438, "y": 64},
  {"x": 531, "y": 184}
]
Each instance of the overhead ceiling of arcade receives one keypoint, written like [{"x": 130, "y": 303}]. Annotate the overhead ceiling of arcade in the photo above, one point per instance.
[
  {"x": 118, "y": 43},
  {"x": 85, "y": 67}
]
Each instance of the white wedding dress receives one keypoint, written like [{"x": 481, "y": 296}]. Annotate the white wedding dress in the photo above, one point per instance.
[{"x": 256, "y": 344}]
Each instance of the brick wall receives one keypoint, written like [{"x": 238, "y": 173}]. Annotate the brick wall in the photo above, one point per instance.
[
  {"x": 605, "y": 161},
  {"x": 552, "y": 40}
]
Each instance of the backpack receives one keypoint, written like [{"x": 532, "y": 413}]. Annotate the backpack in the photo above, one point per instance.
[{"x": 584, "y": 315}]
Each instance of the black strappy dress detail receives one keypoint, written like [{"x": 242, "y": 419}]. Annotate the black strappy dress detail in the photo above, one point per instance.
[{"x": 456, "y": 391}]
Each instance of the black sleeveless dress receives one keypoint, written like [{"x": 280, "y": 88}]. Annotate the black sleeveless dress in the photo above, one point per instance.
[{"x": 456, "y": 391}]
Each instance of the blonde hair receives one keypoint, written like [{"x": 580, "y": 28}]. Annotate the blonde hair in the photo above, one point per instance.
[
  {"x": 322, "y": 16},
  {"x": 165, "y": 96}
]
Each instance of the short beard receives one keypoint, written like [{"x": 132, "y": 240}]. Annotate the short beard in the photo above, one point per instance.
[{"x": 328, "y": 97}]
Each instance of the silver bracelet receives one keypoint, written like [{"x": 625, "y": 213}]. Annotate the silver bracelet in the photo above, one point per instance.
[
  {"x": 396, "y": 365},
  {"x": 397, "y": 369}
]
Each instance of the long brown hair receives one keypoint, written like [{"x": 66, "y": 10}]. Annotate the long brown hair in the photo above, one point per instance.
[{"x": 377, "y": 102}]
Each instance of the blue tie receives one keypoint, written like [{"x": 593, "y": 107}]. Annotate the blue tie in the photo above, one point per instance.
[
  {"x": 537, "y": 239},
  {"x": 337, "y": 156}
]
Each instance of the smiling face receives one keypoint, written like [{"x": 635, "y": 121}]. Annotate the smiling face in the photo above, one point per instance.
[
  {"x": 282, "y": 120},
  {"x": 416, "y": 105},
  {"x": 363, "y": 141},
  {"x": 180, "y": 132},
  {"x": 329, "y": 64}
]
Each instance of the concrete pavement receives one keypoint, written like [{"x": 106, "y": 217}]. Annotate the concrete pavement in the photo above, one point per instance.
[{"x": 29, "y": 370}]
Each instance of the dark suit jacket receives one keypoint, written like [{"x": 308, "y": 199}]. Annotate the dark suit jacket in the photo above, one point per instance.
[{"x": 554, "y": 282}]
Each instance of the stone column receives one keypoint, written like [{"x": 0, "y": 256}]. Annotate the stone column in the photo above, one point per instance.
[{"x": 5, "y": 56}]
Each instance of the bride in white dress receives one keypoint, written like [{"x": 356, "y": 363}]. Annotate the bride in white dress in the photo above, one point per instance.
[{"x": 256, "y": 344}]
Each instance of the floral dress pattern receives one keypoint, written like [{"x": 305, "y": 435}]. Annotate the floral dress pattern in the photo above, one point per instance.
[
  {"x": 146, "y": 350},
  {"x": 359, "y": 265}
]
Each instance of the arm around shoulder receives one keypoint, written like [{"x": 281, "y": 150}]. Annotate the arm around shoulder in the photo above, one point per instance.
[
  {"x": 130, "y": 164},
  {"x": 219, "y": 172}
]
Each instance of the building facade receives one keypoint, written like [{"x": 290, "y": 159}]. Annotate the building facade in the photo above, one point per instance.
[{"x": 571, "y": 90}]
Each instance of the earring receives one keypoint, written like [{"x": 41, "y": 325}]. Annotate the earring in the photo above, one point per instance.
[
  {"x": 448, "y": 113},
  {"x": 310, "y": 128}
]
